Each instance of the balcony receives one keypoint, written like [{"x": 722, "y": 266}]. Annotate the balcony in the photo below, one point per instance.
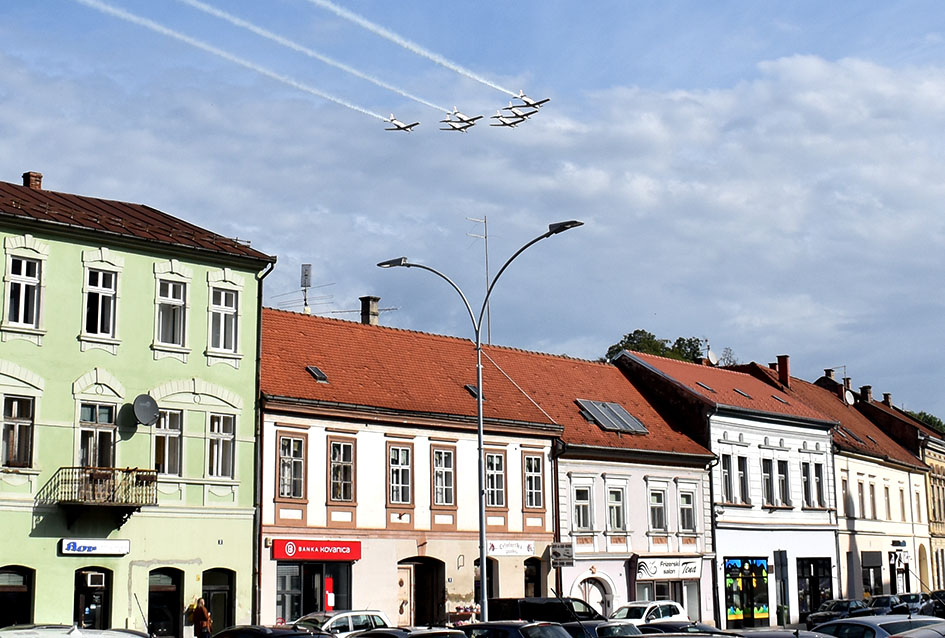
[{"x": 77, "y": 489}]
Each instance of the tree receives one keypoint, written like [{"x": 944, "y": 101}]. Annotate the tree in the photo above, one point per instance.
[
  {"x": 929, "y": 419},
  {"x": 683, "y": 349}
]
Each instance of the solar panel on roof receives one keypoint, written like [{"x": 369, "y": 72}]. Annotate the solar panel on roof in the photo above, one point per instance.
[{"x": 611, "y": 416}]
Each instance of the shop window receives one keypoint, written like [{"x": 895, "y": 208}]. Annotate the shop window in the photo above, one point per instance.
[{"x": 92, "y": 598}]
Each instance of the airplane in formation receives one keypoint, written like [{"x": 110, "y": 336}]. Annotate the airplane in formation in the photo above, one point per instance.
[
  {"x": 529, "y": 102},
  {"x": 519, "y": 110},
  {"x": 461, "y": 123},
  {"x": 400, "y": 126},
  {"x": 507, "y": 120}
]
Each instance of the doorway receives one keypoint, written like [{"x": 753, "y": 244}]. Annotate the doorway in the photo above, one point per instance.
[
  {"x": 746, "y": 593},
  {"x": 16, "y": 595},
  {"x": 165, "y": 602},
  {"x": 218, "y": 595},
  {"x": 427, "y": 594},
  {"x": 92, "y": 599}
]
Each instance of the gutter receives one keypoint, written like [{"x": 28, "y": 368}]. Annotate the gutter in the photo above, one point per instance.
[{"x": 257, "y": 457}]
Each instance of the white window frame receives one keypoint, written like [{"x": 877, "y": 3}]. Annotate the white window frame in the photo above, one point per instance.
[
  {"x": 400, "y": 474},
  {"x": 104, "y": 261},
  {"x": 744, "y": 485},
  {"x": 169, "y": 438},
  {"x": 172, "y": 273},
  {"x": 820, "y": 476},
  {"x": 444, "y": 477},
  {"x": 291, "y": 467},
  {"x": 24, "y": 248},
  {"x": 783, "y": 469},
  {"x": 534, "y": 481},
  {"x": 616, "y": 509},
  {"x": 690, "y": 508},
  {"x": 807, "y": 483},
  {"x": 725, "y": 464},
  {"x": 225, "y": 282},
  {"x": 16, "y": 428},
  {"x": 345, "y": 468},
  {"x": 495, "y": 479},
  {"x": 768, "y": 490},
  {"x": 93, "y": 430},
  {"x": 654, "y": 508},
  {"x": 221, "y": 446},
  {"x": 582, "y": 497}
]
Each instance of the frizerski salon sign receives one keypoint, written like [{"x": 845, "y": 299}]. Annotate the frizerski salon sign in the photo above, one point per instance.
[
  {"x": 511, "y": 548},
  {"x": 77, "y": 546},
  {"x": 663, "y": 568}
]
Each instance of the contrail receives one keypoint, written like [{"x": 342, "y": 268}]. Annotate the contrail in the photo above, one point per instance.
[
  {"x": 154, "y": 26},
  {"x": 407, "y": 44},
  {"x": 269, "y": 35}
]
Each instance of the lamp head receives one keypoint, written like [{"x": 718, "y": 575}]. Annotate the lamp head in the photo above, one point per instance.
[
  {"x": 391, "y": 263},
  {"x": 560, "y": 227}
]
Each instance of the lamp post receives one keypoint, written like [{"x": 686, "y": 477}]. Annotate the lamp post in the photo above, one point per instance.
[{"x": 553, "y": 229}]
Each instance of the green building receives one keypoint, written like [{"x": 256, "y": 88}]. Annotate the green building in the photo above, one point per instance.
[{"x": 128, "y": 372}]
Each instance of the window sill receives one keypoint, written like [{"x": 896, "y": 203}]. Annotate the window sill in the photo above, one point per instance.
[
  {"x": 815, "y": 508},
  {"x": 162, "y": 350},
  {"x": 744, "y": 506},
  {"x": 9, "y": 469},
  {"x": 109, "y": 344},
  {"x": 28, "y": 333},
  {"x": 224, "y": 357},
  {"x": 777, "y": 508}
]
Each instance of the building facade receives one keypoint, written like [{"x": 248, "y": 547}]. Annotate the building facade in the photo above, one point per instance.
[{"x": 127, "y": 375}]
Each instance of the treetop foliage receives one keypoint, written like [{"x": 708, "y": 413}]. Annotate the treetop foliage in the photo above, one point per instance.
[{"x": 683, "y": 348}]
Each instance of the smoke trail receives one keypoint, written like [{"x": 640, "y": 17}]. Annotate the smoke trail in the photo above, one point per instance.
[
  {"x": 269, "y": 35},
  {"x": 407, "y": 44},
  {"x": 154, "y": 26}
]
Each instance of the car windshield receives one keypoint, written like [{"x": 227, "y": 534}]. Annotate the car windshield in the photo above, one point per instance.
[
  {"x": 911, "y": 598},
  {"x": 544, "y": 631},
  {"x": 636, "y": 611},
  {"x": 880, "y": 601},
  {"x": 606, "y": 631}
]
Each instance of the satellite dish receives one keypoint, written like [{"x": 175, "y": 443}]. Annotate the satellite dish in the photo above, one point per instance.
[
  {"x": 712, "y": 357},
  {"x": 848, "y": 397},
  {"x": 146, "y": 409}
]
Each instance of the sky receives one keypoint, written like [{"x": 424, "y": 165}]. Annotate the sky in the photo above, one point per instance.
[{"x": 765, "y": 175}]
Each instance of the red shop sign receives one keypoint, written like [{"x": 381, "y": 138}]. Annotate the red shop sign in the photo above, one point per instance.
[{"x": 316, "y": 550}]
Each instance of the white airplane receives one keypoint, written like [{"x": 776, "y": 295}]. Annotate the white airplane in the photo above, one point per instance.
[
  {"x": 527, "y": 101},
  {"x": 462, "y": 122},
  {"x": 400, "y": 126},
  {"x": 520, "y": 110},
  {"x": 463, "y": 118},
  {"x": 507, "y": 120}
]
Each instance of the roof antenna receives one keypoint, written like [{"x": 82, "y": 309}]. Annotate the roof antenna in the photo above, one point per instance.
[
  {"x": 485, "y": 237},
  {"x": 306, "y": 284}
]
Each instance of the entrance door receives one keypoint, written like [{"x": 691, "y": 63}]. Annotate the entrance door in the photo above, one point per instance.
[
  {"x": 218, "y": 594},
  {"x": 814, "y": 584},
  {"x": 404, "y": 595},
  {"x": 16, "y": 595},
  {"x": 165, "y": 602},
  {"x": 746, "y": 592},
  {"x": 427, "y": 593},
  {"x": 92, "y": 599}
]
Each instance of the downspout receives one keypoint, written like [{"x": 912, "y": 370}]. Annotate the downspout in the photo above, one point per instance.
[
  {"x": 716, "y": 612},
  {"x": 257, "y": 458},
  {"x": 558, "y": 448}
]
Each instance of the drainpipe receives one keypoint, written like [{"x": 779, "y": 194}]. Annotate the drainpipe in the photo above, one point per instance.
[
  {"x": 558, "y": 448},
  {"x": 716, "y": 611},
  {"x": 257, "y": 457}
]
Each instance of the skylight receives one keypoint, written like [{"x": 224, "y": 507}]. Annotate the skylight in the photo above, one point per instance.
[
  {"x": 471, "y": 389},
  {"x": 320, "y": 376},
  {"x": 610, "y": 416},
  {"x": 777, "y": 398},
  {"x": 851, "y": 433},
  {"x": 743, "y": 393},
  {"x": 700, "y": 383}
]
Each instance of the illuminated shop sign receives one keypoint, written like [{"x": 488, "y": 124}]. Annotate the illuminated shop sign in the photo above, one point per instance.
[{"x": 295, "y": 549}]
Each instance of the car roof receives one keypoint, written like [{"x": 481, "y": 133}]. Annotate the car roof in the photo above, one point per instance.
[
  {"x": 875, "y": 621},
  {"x": 71, "y": 631},
  {"x": 507, "y": 623}
]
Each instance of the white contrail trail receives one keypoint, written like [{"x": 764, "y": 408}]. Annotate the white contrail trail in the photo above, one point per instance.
[
  {"x": 154, "y": 26},
  {"x": 269, "y": 35},
  {"x": 407, "y": 44}
]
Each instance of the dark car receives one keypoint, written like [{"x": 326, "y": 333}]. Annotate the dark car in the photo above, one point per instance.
[
  {"x": 411, "y": 632},
  {"x": 266, "y": 631},
  {"x": 836, "y": 609},
  {"x": 889, "y": 604},
  {"x": 514, "y": 629},
  {"x": 875, "y": 626},
  {"x": 558, "y": 610},
  {"x": 778, "y": 632},
  {"x": 918, "y": 603},
  {"x": 601, "y": 628},
  {"x": 680, "y": 627}
]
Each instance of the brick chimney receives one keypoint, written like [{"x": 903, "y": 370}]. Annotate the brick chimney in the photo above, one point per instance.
[
  {"x": 828, "y": 372},
  {"x": 784, "y": 370},
  {"x": 866, "y": 393},
  {"x": 33, "y": 180},
  {"x": 369, "y": 312},
  {"x": 847, "y": 383},
  {"x": 887, "y": 399}
]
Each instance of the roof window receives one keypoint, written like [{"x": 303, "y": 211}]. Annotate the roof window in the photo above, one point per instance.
[
  {"x": 777, "y": 398},
  {"x": 611, "y": 416},
  {"x": 319, "y": 376},
  {"x": 743, "y": 393},
  {"x": 700, "y": 383}
]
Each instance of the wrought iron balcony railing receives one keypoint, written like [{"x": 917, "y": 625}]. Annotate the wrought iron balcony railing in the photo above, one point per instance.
[{"x": 128, "y": 487}]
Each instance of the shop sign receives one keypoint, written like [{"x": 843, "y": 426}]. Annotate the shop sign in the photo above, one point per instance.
[
  {"x": 296, "y": 549},
  {"x": 669, "y": 568},
  {"x": 562, "y": 555},
  {"x": 78, "y": 546},
  {"x": 511, "y": 548}
]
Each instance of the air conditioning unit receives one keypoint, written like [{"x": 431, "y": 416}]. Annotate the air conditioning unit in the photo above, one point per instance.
[{"x": 95, "y": 580}]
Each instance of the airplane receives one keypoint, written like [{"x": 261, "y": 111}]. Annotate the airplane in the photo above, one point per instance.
[
  {"x": 461, "y": 123},
  {"x": 527, "y": 101},
  {"x": 463, "y": 118},
  {"x": 519, "y": 110},
  {"x": 400, "y": 126},
  {"x": 507, "y": 120}
]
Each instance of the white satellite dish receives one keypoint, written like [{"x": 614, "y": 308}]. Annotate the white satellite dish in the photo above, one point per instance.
[
  {"x": 146, "y": 409},
  {"x": 712, "y": 357},
  {"x": 848, "y": 397}
]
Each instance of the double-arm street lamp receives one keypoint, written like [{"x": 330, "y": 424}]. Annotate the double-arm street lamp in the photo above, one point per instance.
[{"x": 553, "y": 229}]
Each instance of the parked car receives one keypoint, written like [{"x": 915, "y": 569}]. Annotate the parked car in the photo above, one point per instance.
[
  {"x": 836, "y": 609},
  {"x": 411, "y": 632},
  {"x": 777, "y": 632},
  {"x": 343, "y": 623},
  {"x": 50, "y": 630},
  {"x": 929, "y": 631},
  {"x": 889, "y": 604},
  {"x": 645, "y": 611},
  {"x": 938, "y": 603},
  {"x": 559, "y": 610},
  {"x": 514, "y": 629},
  {"x": 680, "y": 627},
  {"x": 601, "y": 628},
  {"x": 267, "y": 631},
  {"x": 919, "y": 603},
  {"x": 875, "y": 626}
]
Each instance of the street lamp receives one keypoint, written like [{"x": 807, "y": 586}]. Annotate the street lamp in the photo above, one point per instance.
[{"x": 553, "y": 229}]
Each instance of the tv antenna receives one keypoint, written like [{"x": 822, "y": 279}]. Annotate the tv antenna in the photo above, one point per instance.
[
  {"x": 305, "y": 284},
  {"x": 485, "y": 237}
]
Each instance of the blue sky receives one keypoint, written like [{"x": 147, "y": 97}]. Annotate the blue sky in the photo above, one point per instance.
[{"x": 768, "y": 175}]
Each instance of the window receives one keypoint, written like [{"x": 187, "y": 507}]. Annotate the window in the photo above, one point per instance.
[
  {"x": 806, "y": 484},
  {"x": 582, "y": 507},
  {"x": 223, "y": 319},
  {"x": 687, "y": 512},
  {"x": 533, "y": 481},
  {"x": 171, "y": 312},
  {"x": 845, "y": 492},
  {"x": 918, "y": 508},
  {"x": 398, "y": 466},
  {"x": 443, "y": 478},
  {"x": 657, "y": 510},
  {"x": 744, "y": 489},
  {"x": 341, "y": 470},
  {"x": 784, "y": 485},
  {"x": 767, "y": 481},
  {"x": 495, "y": 479},
  {"x": 17, "y": 432},
  {"x": 902, "y": 504},
  {"x": 819, "y": 485},
  {"x": 97, "y": 435},
  {"x": 888, "y": 503},
  {"x": 291, "y": 467},
  {"x": 861, "y": 498},
  {"x": 222, "y": 435},
  {"x": 615, "y": 509},
  {"x": 100, "y": 289},
  {"x": 167, "y": 437},
  {"x": 727, "y": 479},
  {"x": 24, "y": 287},
  {"x": 873, "y": 501}
]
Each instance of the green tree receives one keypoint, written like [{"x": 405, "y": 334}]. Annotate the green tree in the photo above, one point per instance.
[
  {"x": 683, "y": 349},
  {"x": 929, "y": 419}
]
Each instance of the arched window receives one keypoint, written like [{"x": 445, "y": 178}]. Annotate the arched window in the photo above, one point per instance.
[{"x": 16, "y": 595}]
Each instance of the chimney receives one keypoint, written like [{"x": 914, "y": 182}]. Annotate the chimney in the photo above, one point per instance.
[
  {"x": 33, "y": 180},
  {"x": 887, "y": 399},
  {"x": 828, "y": 372},
  {"x": 369, "y": 312},
  {"x": 847, "y": 383},
  {"x": 784, "y": 370},
  {"x": 866, "y": 393},
  {"x": 773, "y": 365}
]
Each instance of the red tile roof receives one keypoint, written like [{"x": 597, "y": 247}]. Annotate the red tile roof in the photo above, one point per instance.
[
  {"x": 414, "y": 372},
  {"x": 135, "y": 221},
  {"x": 729, "y": 388}
]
